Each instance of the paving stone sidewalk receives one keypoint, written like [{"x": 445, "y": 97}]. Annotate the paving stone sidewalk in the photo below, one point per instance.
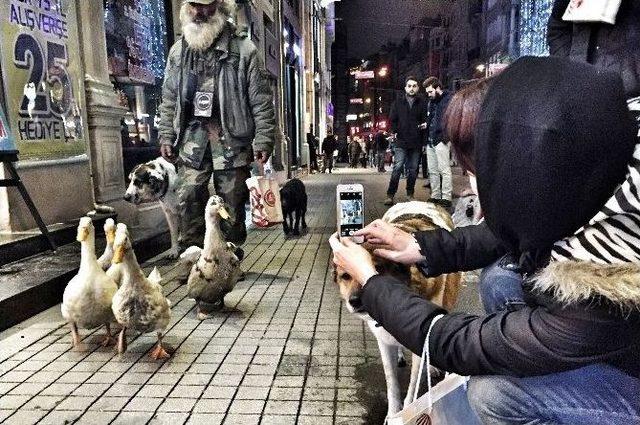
[{"x": 283, "y": 351}]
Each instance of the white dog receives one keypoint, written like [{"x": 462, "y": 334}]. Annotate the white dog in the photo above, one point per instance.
[
  {"x": 442, "y": 290},
  {"x": 156, "y": 181}
]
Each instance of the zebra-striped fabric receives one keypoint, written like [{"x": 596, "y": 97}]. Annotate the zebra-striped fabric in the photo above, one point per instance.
[{"x": 613, "y": 235}]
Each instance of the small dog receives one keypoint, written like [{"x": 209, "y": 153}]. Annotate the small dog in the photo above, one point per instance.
[
  {"x": 156, "y": 181},
  {"x": 442, "y": 290},
  {"x": 293, "y": 197}
]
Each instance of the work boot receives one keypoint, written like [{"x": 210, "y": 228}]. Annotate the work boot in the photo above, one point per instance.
[{"x": 389, "y": 201}]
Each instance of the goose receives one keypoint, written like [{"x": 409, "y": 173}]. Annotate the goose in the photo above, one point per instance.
[
  {"x": 139, "y": 303},
  {"x": 217, "y": 268},
  {"x": 110, "y": 234},
  {"x": 86, "y": 302}
]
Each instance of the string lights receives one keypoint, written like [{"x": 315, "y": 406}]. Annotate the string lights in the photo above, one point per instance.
[
  {"x": 158, "y": 47},
  {"x": 534, "y": 15}
]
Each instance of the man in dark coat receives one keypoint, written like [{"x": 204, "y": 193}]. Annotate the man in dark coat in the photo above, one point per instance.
[
  {"x": 381, "y": 144},
  {"x": 407, "y": 114},
  {"x": 329, "y": 145},
  {"x": 312, "y": 142},
  {"x": 614, "y": 48},
  {"x": 438, "y": 147},
  {"x": 548, "y": 156},
  {"x": 355, "y": 149}
]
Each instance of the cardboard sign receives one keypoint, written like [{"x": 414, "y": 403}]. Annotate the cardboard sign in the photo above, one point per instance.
[{"x": 43, "y": 77}]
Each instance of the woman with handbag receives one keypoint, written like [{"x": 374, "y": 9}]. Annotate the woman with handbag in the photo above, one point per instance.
[{"x": 548, "y": 157}]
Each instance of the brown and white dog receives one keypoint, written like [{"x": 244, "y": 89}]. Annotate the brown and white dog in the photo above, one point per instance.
[
  {"x": 442, "y": 290},
  {"x": 157, "y": 181}
]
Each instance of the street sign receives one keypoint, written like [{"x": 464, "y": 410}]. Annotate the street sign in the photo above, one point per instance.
[
  {"x": 356, "y": 101},
  {"x": 365, "y": 75}
]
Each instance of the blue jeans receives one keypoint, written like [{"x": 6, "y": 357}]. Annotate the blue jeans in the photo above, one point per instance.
[
  {"x": 594, "y": 394},
  {"x": 501, "y": 286},
  {"x": 404, "y": 157}
]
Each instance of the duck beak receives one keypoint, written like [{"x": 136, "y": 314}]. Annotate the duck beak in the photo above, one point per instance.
[
  {"x": 83, "y": 234},
  {"x": 111, "y": 236},
  {"x": 118, "y": 255},
  {"x": 223, "y": 213}
]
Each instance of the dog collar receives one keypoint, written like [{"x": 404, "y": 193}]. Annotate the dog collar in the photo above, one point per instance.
[{"x": 166, "y": 186}]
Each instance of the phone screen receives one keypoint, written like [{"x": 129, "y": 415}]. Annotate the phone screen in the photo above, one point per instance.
[{"x": 351, "y": 213}]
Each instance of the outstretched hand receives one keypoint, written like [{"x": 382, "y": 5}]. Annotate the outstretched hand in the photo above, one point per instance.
[
  {"x": 392, "y": 243},
  {"x": 352, "y": 258}
]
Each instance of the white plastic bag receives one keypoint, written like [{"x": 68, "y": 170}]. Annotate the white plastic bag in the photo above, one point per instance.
[
  {"x": 444, "y": 404},
  {"x": 593, "y": 11},
  {"x": 264, "y": 195}
]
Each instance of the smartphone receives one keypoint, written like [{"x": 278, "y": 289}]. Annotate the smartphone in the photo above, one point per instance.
[{"x": 350, "y": 210}]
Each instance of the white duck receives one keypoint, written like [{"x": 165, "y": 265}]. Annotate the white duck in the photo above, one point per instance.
[
  {"x": 86, "y": 302},
  {"x": 110, "y": 234},
  {"x": 139, "y": 303},
  {"x": 217, "y": 268}
]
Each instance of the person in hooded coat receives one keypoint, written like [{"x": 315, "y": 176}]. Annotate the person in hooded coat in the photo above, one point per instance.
[{"x": 551, "y": 162}]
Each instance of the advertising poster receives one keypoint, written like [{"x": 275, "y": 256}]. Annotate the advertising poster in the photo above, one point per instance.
[
  {"x": 7, "y": 144},
  {"x": 43, "y": 77}
]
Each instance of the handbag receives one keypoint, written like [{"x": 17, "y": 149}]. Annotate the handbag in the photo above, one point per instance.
[
  {"x": 264, "y": 196},
  {"x": 444, "y": 404},
  {"x": 593, "y": 11}
]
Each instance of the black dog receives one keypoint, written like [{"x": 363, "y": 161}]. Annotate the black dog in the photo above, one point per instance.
[{"x": 293, "y": 196}]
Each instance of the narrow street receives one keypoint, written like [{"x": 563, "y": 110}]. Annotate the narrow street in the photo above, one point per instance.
[{"x": 283, "y": 351}]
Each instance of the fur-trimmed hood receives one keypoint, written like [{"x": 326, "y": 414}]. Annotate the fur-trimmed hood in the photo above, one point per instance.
[{"x": 577, "y": 281}]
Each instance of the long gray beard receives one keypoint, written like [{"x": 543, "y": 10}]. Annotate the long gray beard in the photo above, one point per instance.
[{"x": 201, "y": 36}]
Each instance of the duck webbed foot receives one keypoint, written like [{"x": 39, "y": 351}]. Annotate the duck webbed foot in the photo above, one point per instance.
[
  {"x": 76, "y": 341},
  {"x": 158, "y": 351},
  {"x": 108, "y": 340}
]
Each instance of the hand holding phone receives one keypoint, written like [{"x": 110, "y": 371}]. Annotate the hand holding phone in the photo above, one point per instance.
[{"x": 350, "y": 211}]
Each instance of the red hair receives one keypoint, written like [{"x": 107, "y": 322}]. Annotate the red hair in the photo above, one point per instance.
[{"x": 461, "y": 118}]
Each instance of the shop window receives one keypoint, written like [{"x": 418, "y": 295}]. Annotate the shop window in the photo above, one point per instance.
[{"x": 136, "y": 33}]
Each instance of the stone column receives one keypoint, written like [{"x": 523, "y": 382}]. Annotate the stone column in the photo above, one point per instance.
[{"x": 103, "y": 111}]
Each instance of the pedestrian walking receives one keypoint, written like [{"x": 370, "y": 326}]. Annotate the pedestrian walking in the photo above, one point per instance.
[
  {"x": 355, "y": 149},
  {"x": 213, "y": 68},
  {"x": 438, "y": 148},
  {"x": 312, "y": 142},
  {"x": 407, "y": 113},
  {"x": 329, "y": 145},
  {"x": 381, "y": 144}
]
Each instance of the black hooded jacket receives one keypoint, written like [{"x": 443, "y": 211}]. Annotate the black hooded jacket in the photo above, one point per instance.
[
  {"x": 548, "y": 155},
  {"x": 613, "y": 48}
]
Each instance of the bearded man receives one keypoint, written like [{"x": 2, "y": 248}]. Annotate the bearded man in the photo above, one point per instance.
[{"x": 216, "y": 116}]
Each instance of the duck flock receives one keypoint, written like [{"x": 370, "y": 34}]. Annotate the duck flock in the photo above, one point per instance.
[{"x": 113, "y": 288}]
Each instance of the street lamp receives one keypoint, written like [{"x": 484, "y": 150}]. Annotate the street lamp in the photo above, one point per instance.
[
  {"x": 367, "y": 100},
  {"x": 383, "y": 72}
]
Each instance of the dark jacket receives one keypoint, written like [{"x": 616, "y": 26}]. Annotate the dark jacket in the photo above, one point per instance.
[
  {"x": 354, "y": 148},
  {"x": 536, "y": 119},
  {"x": 437, "y": 108},
  {"x": 329, "y": 145},
  {"x": 380, "y": 141},
  {"x": 405, "y": 121},
  {"x": 243, "y": 91},
  {"x": 611, "y": 47}
]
